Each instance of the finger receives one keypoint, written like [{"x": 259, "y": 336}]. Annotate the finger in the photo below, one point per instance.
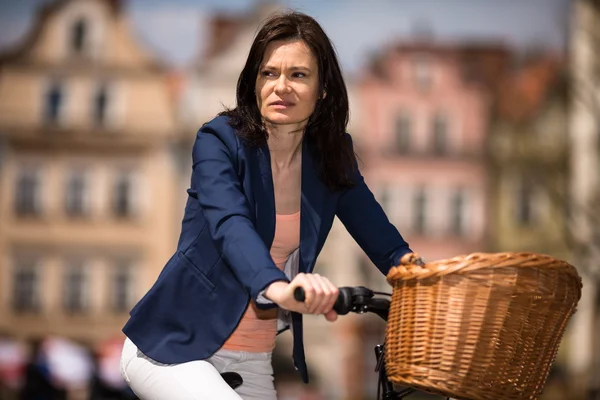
[
  {"x": 327, "y": 294},
  {"x": 332, "y": 293},
  {"x": 313, "y": 293},
  {"x": 320, "y": 294},
  {"x": 331, "y": 316},
  {"x": 310, "y": 293}
]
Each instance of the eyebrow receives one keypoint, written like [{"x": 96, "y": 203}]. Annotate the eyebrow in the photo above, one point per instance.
[{"x": 293, "y": 68}]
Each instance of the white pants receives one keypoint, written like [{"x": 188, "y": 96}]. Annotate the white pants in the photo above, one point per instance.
[{"x": 198, "y": 380}]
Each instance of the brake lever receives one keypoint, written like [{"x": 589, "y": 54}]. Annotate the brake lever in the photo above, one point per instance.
[
  {"x": 361, "y": 297},
  {"x": 379, "y": 306}
]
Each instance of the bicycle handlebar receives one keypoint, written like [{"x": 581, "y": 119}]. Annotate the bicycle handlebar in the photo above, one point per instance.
[{"x": 358, "y": 299}]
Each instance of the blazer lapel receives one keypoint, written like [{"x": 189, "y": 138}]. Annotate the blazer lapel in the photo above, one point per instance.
[
  {"x": 313, "y": 193},
  {"x": 264, "y": 195}
]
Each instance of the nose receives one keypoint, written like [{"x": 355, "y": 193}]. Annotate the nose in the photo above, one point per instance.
[{"x": 282, "y": 85}]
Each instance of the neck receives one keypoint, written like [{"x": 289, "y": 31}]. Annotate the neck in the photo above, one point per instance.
[{"x": 285, "y": 143}]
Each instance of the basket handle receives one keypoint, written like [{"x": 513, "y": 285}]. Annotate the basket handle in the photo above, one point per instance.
[
  {"x": 411, "y": 259},
  {"x": 412, "y": 265}
]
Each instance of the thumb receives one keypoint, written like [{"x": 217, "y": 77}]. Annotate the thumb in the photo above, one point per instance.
[{"x": 331, "y": 316}]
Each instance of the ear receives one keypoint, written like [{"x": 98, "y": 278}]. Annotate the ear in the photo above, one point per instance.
[{"x": 324, "y": 94}]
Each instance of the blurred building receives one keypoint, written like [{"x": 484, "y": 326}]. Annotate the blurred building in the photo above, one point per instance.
[
  {"x": 584, "y": 346},
  {"x": 530, "y": 172},
  {"x": 86, "y": 175},
  {"x": 211, "y": 79},
  {"x": 426, "y": 116},
  {"x": 528, "y": 154}
]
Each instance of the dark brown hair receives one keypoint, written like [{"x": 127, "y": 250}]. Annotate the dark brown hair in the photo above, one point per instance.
[{"x": 325, "y": 131}]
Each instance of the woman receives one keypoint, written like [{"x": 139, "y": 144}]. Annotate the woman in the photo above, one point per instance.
[{"x": 268, "y": 178}]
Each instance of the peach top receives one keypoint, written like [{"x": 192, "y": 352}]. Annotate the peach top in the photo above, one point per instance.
[{"x": 257, "y": 330}]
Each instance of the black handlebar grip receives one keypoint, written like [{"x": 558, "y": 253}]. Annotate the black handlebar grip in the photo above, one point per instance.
[
  {"x": 343, "y": 304},
  {"x": 299, "y": 294}
]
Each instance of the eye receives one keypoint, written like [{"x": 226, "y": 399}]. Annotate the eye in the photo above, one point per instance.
[
  {"x": 299, "y": 75},
  {"x": 267, "y": 73}
]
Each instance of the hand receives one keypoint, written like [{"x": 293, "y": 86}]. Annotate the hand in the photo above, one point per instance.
[{"x": 321, "y": 295}]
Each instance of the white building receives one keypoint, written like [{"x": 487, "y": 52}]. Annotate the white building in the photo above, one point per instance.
[{"x": 584, "y": 343}]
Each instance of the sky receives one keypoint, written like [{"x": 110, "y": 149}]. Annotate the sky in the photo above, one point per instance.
[{"x": 174, "y": 29}]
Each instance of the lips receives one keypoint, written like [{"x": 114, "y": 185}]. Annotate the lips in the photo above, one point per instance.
[{"x": 282, "y": 103}]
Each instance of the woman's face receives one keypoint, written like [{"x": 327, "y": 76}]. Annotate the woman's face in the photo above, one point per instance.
[{"x": 287, "y": 83}]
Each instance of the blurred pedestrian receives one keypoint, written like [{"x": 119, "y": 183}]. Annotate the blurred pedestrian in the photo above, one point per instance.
[
  {"x": 38, "y": 383},
  {"x": 13, "y": 359}
]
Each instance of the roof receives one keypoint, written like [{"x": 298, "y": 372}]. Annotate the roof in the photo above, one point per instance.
[
  {"x": 524, "y": 92},
  {"x": 481, "y": 62},
  {"x": 225, "y": 28},
  {"x": 43, "y": 14}
]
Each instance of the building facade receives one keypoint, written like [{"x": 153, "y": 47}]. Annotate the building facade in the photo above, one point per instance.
[
  {"x": 528, "y": 155},
  {"x": 88, "y": 216},
  {"x": 422, "y": 144},
  {"x": 584, "y": 124}
]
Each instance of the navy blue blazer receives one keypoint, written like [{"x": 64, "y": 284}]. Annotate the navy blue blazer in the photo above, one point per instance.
[{"x": 222, "y": 258}]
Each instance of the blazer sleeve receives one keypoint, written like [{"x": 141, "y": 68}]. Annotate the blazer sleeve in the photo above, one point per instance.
[
  {"x": 368, "y": 224},
  {"x": 227, "y": 212}
]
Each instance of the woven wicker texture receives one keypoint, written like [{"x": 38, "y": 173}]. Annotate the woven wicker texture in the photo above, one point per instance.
[{"x": 482, "y": 326}]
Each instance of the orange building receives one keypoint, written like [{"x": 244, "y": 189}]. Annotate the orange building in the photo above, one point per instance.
[{"x": 89, "y": 211}]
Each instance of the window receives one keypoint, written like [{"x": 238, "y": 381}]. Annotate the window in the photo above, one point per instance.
[
  {"x": 122, "y": 294},
  {"x": 403, "y": 127},
  {"x": 419, "y": 211},
  {"x": 76, "y": 194},
  {"x": 440, "y": 134},
  {"x": 78, "y": 36},
  {"x": 100, "y": 106},
  {"x": 458, "y": 212},
  {"x": 53, "y": 104},
  {"x": 75, "y": 293},
  {"x": 26, "y": 286},
  {"x": 27, "y": 192},
  {"x": 123, "y": 206}
]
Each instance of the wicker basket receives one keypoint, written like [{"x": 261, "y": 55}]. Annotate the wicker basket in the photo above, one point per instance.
[{"x": 483, "y": 326}]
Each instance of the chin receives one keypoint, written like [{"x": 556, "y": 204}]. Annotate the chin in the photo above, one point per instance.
[{"x": 282, "y": 119}]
